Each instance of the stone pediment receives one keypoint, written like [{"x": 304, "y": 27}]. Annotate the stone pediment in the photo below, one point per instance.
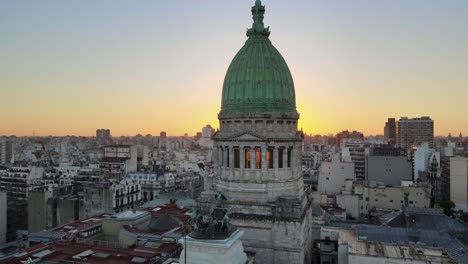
[{"x": 246, "y": 136}]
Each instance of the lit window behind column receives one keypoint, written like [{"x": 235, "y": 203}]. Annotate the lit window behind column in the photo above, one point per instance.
[
  {"x": 270, "y": 158},
  {"x": 247, "y": 158},
  {"x": 258, "y": 158}
]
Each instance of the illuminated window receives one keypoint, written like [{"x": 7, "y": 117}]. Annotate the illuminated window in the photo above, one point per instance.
[
  {"x": 247, "y": 158},
  {"x": 258, "y": 158},
  {"x": 270, "y": 158},
  {"x": 280, "y": 158},
  {"x": 236, "y": 158}
]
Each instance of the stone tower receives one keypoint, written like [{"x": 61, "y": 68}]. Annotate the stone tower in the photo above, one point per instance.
[{"x": 257, "y": 152}]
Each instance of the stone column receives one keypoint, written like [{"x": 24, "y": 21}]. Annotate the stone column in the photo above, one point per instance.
[
  {"x": 241, "y": 158},
  {"x": 264, "y": 160},
  {"x": 252, "y": 158},
  {"x": 275, "y": 157},
  {"x": 285, "y": 157},
  {"x": 231, "y": 157},
  {"x": 275, "y": 162}
]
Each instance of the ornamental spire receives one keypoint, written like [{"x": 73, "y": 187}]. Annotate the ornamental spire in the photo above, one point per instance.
[{"x": 258, "y": 28}]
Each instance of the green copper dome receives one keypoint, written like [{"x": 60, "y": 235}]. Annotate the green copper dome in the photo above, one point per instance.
[{"x": 258, "y": 79}]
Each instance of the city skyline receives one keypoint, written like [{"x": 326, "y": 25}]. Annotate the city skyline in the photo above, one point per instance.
[{"x": 71, "y": 68}]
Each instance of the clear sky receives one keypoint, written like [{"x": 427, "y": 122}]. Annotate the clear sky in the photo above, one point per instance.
[{"x": 70, "y": 67}]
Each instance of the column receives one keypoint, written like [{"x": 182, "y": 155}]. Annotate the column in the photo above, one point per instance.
[
  {"x": 242, "y": 158},
  {"x": 252, "y": 158},
  {"x": 275, "y": 157},
  {"x": 231, "y": 157},
  {"x": 264, "y": 159},
  {"x": 285, "y": 157}
]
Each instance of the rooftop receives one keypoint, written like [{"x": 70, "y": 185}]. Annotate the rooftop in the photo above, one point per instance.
[
  {"x": 127, "y": 215},
  {"x": 360, "y": 244},
  {"x": 60, "y": 252}
]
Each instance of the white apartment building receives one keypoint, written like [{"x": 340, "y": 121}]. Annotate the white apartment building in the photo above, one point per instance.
[{"x": 333, "y": 174}]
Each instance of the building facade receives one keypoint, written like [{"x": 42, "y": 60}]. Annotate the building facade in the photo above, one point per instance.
[
  {"x": 107, "y": 197},
  {"x": 415, "y": 131},
  {"x": 118, "y": 160},
  {"x": 333, "y": 175},
  {"x": 356, "y": 153},
  {"x": 3, "y": 217},
  {"x": 389, "y": 166},
  {"x": 16, "y": 182},
  {"x": 51, "y": 206},
  {"x": 6, "y": 150},
  {"x": 103, "y": 136},
  {"x": 459, "y": 182},
  {"x": 257, "y": 153},
  {"x": 390, "y": 134}
]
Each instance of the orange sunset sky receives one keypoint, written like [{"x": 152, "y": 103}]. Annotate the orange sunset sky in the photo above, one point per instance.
[{"x": 69, "y": 68}]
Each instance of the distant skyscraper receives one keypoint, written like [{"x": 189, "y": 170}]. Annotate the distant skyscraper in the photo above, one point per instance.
[
  {"x": 163, "y": 135},
  {"x": 390, "y": 131},
  {"x": 6, "y": 150},
  {"x": 103, "y": 136},
  {"x": 414, "y": 131}
]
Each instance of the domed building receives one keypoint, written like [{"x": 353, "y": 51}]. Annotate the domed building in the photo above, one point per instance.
[{"x": 257, "y": 152}]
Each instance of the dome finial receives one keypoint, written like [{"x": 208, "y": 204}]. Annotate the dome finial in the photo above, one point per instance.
[{"x": 258, "y": 28}]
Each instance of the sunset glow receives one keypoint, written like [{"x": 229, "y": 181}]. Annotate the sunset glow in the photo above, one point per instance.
[{"x": 144, "y": 67}]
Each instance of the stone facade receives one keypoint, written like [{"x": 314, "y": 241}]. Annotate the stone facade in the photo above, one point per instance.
[
  {"x": 257, "y": 153},
  {"x": 257, "y": 166}
]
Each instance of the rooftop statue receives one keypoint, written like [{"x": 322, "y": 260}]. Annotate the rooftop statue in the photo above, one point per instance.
[{"x": 216, "y": 226}]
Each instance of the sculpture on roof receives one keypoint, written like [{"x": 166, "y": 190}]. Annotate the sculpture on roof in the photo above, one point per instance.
[{"x": 216, "y": 226}]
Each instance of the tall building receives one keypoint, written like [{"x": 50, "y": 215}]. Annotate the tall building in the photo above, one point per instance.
[
  {"x": 459, "y": 182},
  {"x": 356, "y": 153},
  {"x": 390, "y": 134},
  {"x": 257, "y": 153},
  {"x": 16, "y": 183},
  {"x": 415, "y": 131},
  {"x": 103, "y": 136},
  {"x": 3, "y": 217},
  {"x": 6, "y": 150}
]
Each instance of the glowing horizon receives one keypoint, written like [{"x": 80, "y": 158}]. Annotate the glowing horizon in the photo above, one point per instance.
[{"x": 69, "y": 68}]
